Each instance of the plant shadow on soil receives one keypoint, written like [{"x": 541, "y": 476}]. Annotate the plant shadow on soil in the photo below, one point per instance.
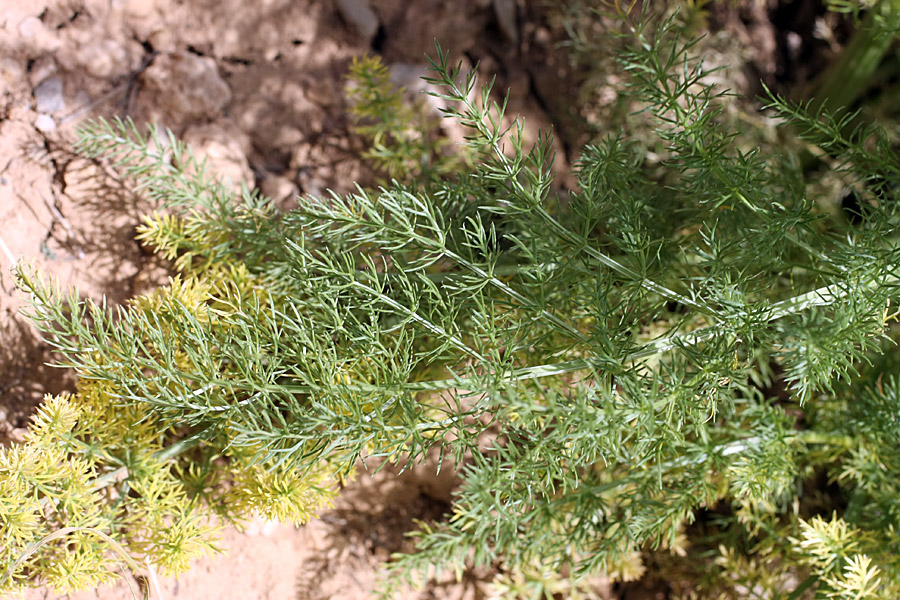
[
  {"x": 90, "y": 241},
  {"x": 368, "y": 524}
]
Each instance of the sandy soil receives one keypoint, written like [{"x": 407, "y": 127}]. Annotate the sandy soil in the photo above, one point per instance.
[
  {"x": 257, "y": 87},
  {"x": 334, "y": 557}
]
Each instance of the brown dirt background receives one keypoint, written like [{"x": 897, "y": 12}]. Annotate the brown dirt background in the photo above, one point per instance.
[{"x": 257, "y": 88}]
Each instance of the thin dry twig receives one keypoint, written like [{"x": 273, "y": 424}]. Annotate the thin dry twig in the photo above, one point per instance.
[{"x": 6, "y": 251}]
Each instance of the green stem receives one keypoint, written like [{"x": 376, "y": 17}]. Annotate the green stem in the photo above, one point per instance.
[
  {"x": 850, "y": 74},
  {"x": 618, "y": 267},
  {"x": 819, "y": 297},
  {"x": 413, "y": 315},
  {"x": 827, "y": 439},
  {"x": 515, "y": 295},
  {"x": 162, "y": 455},
  {"x": 476, "y": 119}
]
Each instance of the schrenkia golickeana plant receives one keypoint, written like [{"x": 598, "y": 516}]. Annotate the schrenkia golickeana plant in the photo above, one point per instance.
[{"x": 603, "y": 363}]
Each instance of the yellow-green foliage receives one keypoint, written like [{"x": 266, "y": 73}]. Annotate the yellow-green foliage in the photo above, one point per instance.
[
  {"x": 86, "y": 463},
  {"x": 405, "y": 138},
  {"x": 109, "y": 467},
  {"x": 96, "y": 461}
]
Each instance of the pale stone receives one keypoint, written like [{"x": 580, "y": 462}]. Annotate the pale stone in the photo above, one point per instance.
[
  {"x": 278, "y": 188},
  {"x": 29, "y": 27},
  {"x": 505, "y": 11},
  {"x": 223, "y": 148},
  {"x": 42, "y": 68},
  {"x": 36, "y": 38},
  {"x": 17, "y": 435},
  {"x": 11, "y": 73},
  {"x": 15, "y": 11},
  {"x": 360, "y": 15},
  {"x": 323, "y": 93},
  {"x": 48, "y": 96},
  {"x": 271, "y": 53},
  {"x": 104, "y": 59},
  {"x": 45, "y": 123},
  {"x": 187, "y": 86}
]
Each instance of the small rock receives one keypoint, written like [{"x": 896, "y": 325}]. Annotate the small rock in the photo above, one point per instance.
[
  {"x": 13, "y": 11},
  {"x": 11, "y": 73},
  {"x": 271, "y": 54},
  {"x": 303, "y": 162},
  {"x": 29, "y": 27},
  {"x": 17, "y": 435},
  {"x": 103, "y": 59},
  {"x": 222, "y": 146},
  {"x": 505, "y": 11},
  {"x": 135, "y": 8},
  {"x": 280, "y": 189},
  {"x": 186, "y": 86},
  {"x": 42, "y": 68},
  {"x": 360, "y": 15},
  {"x": 36, "y": 38},
  {"x": 45, "y": 123},
  {"x": 410, "y": 78},
  {"x": 48, "y": 96},
  {"x": 323, "y": 92}
]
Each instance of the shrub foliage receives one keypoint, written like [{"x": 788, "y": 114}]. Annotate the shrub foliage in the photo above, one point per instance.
[{"x": 692, "y": 332}]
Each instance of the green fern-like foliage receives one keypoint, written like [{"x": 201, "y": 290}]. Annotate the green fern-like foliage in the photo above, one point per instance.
[{"x": 694, "y": 336}]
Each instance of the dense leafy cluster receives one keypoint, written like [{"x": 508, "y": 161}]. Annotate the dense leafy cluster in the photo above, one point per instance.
[
  {"x": 118, "y": 479},
  {"x": 404, "y": 136},
  {"x": 691, "y": 333}
]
